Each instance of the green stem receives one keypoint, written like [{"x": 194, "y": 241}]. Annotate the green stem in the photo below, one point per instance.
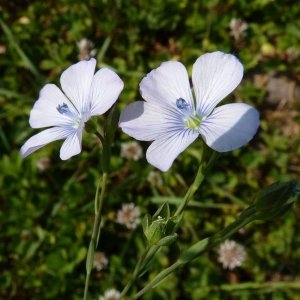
[
  {"x": 86, "y": 286},
  {"x": 203, "y": 245},
  {"x": 149, "y": 252},
  {"x": 262, "y": 286},
  {"x": 158, "y": 278},
  {"x": 201, "y": 173},
  {"x": 96, "y": 231},
  {"x": 197, "y": 249}
]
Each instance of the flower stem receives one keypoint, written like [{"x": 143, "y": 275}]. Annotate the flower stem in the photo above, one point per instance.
[
  {"x": 96, "y": 231},
  {"x": 202, "y": 171},
  {"x": 158, "y": 278},
  {"x": 198, "y": 248},
  {"x": 148, "y": 254}
]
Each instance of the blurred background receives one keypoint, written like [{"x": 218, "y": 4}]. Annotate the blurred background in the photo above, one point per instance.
[{"x": 47, "y": 205}]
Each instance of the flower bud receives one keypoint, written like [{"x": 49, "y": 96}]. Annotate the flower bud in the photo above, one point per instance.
[
  {"x": 155, "y": 231},
  {"x": 275, "y": 196},
  {"x": 159, "y": 229}
]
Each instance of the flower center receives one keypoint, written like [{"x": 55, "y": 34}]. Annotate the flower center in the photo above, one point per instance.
[
  {"x": 191, "y": 119},
  {"x": 65, "y": 110},
  {"x": 193, "y": 122}
]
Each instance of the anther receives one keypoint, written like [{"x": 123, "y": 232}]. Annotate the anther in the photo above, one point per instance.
[
  {"x": 181, "y": 103},
  {"x": 63, "y": 109}
]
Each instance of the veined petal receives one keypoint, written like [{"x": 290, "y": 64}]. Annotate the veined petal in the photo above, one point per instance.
[
  {"x": 43, "y": 138},
  {"x": 214, "y": 76},
  {"x": 149, "y": 121},
  {"x": 230, "y": 126},
  {"x": 72, "y": 145},
  {"x": 44, "y": 112},
  {"x": 162, "y": 152},
  {"x": 166, "y": 84},
  {"x": 105, "y": 90},
  {"x": 76, "y": 83}
]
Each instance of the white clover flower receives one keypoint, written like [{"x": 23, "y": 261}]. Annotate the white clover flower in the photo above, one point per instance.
[
  {"x": 129, "y": 215},
  {"x": 85, "y": 95},
  {"x": 237, "y": 28},
  {"x": 155, "y": 179},
  {"x": 231, "y": 254},
  {"x": 111, "y": 294},
  {"x": 131, "y": 151},
  {"x": 86, "y": 50},
  {"x": 100, "y": 261},
  {"x": 173, "y": 119},
  {"x": 43, "y": 163}
]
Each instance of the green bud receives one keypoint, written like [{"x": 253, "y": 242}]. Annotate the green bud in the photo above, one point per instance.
[
  {"x": 155, "y": 232},
  {"x": 160, "y": 228},
  {"x": 273, "y": 213},
  {"x": 275, "y": 196}
]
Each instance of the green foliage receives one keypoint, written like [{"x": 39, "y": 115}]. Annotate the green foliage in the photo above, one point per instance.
[{"x": 46, "y": 205}]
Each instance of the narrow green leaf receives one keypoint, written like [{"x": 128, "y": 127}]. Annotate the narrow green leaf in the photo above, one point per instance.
[{"x": 90, "y": 258}]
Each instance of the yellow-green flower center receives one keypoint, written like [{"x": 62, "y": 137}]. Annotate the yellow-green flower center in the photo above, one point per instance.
[{"x": 193, "y": 122}]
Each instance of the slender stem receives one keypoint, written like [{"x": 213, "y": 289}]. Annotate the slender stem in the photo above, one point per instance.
[
  {"x": 158, "y": 278},
  {"x": 86, "y": 286},
  {"x": 201, "y": 173},
  {"x": 144, "y": 259},
  {"x": 97, "y": 223},
  {"x": 199, "y": 247},
  {"x": 96, "y": 231},
  {"x": 150, "y": 251},
  {"x": 262, "y": 286}
]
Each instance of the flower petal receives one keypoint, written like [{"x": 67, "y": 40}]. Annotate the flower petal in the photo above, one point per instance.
[
  {"x": 105, "y": 90},
  {"x": 166, "y": 84},
  {"x": 162, "y": 152},
  {"x": 43, "y": 138},
  {"x": 44, "y": 112},
  {"x": 72, "y": 145},
  {"x": 146, "y": 121},
  {"x": 215, "y": 75},
  {"x": 76, "y": 83},
  {"x": 230, "y": 126}
]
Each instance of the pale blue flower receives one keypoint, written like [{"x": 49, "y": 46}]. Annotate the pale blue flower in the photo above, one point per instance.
[
  {"x": 85, "y": 95},
  {"x": 173, "y": 118}
]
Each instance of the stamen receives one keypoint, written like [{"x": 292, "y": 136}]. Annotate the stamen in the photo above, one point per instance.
[
  {"x": 182, "y": 104},
  {"x": 63, "y": 109}
]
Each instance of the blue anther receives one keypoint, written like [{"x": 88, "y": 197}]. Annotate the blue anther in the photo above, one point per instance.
[
  {"x": 63, "y": 109},
  {"x": 181, "y": 103}
]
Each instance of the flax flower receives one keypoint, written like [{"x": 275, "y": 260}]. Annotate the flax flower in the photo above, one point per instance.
[
  {"x": 172, "y": 118},
  {"x": 84, "y": 94}
]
